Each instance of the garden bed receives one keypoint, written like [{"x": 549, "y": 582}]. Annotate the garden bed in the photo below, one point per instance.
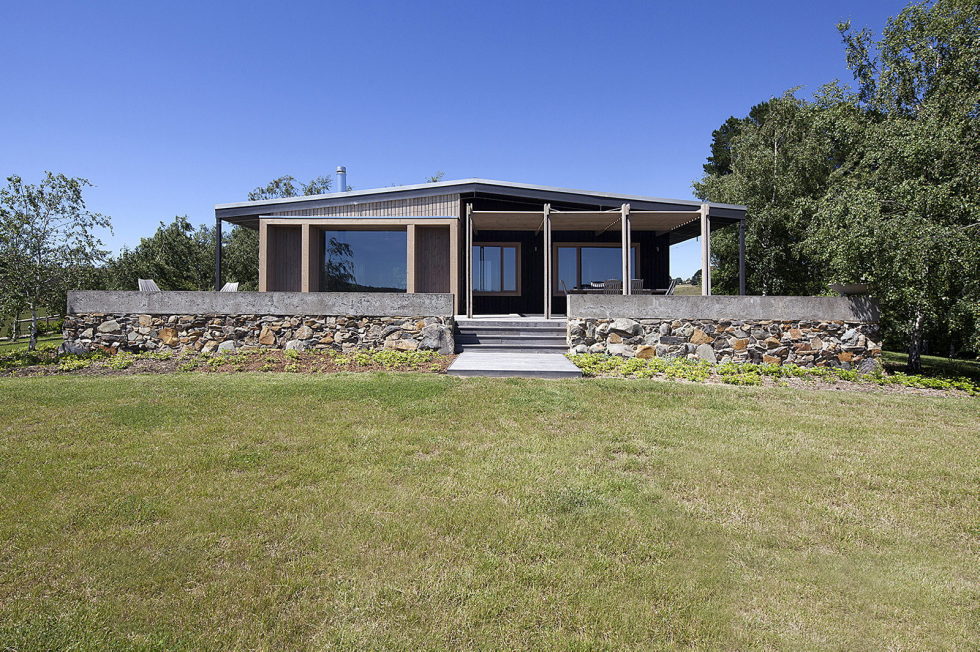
[
  {"x": 835, "y": 378},
  {"x": 46, "y": 361}
]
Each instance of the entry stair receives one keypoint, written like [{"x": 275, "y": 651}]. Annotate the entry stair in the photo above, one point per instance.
[{"x": 512, "y": 345}]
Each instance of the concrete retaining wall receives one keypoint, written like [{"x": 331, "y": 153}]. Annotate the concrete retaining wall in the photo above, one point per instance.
[
  {"x": 375, "y": 304},
  {"x": 860, "y": 309}
]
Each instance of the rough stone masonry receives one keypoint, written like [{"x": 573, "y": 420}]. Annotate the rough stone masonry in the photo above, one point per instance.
[
  {"x": 226, "y": 333},
  {"x": 807, "y": 343}
]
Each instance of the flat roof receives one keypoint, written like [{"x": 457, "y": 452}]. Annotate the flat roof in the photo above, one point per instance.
[{"x": 251, "y": 208}]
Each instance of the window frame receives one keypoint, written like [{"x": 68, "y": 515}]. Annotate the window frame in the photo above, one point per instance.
[
  {"x": 556, "y": 281},
  {"x": 517, "y": 272}
]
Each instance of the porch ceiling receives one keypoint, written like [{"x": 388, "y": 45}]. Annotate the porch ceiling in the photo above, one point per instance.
[{"x": 661, "y": 221}]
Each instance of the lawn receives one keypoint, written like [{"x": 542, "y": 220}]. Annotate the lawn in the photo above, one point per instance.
[
  {"x": 20, "y": 344},
  {"x": 385, "y": 510},
  {"x": 934, "y": 365}
]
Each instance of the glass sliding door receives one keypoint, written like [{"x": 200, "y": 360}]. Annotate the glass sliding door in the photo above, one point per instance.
[
  {"x": 364, "y": 261},
  {"x": 579, "y": 266}
]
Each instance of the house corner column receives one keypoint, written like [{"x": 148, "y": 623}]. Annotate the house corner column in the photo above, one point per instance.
[
  {"x": 410, "y": 263},
  {"x": 263, "y": 256},
  {"x": 454, "y": 264},
  {"x": 306, "y": 263}
]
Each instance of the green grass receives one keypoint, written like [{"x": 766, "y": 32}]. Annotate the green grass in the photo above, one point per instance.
[
  {"x": 687, "y": 290},
  {"x": 933, "y": 365},
  {"x": 21, "y": 343},
  {"x": 283, "y": 511}
]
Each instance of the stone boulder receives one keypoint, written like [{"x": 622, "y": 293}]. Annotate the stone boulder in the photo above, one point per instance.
[
  {"x": 436, "y": 337},
  {"x": 111, "y": 326},
  {"x": 72, "y": 348},
  {"x": 625, "y": 327},
  {"x": 706, "y": 352},
  {"x": 304, "y": 332},
  {"x": 646, "y": 351},
  {"x": 401, "y": 344}
]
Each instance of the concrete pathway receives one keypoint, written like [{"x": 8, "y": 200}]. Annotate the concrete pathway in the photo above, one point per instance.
[{"x": 525, "y": 365}]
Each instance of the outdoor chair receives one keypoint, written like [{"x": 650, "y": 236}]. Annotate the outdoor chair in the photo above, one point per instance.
[
  {"x": 148, "y": 285},
  {"x": 229, "y": 287},
  {"x": 613, "y": 286},
  {"x": 668, "y": 290}
]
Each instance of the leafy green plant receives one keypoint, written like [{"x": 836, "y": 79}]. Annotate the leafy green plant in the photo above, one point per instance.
[
  {"x": 119, "y": 361},
  {"x": 73, "y": 362},
  {"x": 595, "y": 364}
]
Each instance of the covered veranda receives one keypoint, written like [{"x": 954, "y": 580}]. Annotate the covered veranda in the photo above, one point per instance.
[{"x": 674, "y": 226}]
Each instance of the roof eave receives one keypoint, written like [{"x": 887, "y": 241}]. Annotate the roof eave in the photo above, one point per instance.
[{"x": 461, "y": 186}]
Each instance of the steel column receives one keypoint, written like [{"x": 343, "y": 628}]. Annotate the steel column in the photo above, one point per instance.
[
  {"x": 217, "y": 253},
  {"x": 469, "y": 260},
  {"x": 705, "y": 250},
  {"x": 546, "y": 236},
  {"x": 741, "y": 256}
]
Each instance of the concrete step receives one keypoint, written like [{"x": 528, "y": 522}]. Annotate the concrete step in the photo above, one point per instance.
[
  {"x": 513, "y": 331},
  {"x": 517, "y": 348},
  {"x": 527, "y": 341},
  {"x": 463, "y": 324},
  {"x": 503, "y": 364}
]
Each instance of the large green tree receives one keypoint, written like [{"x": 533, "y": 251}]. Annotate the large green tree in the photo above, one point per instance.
[
  {"x": 48, "y": 241},
  {"x": 877, "y": 184},
  {"x": 774, "y": 161},
  {"x": 903, "y": 213}
]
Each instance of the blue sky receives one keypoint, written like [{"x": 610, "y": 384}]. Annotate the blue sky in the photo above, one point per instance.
[{"x": 172, "y": 107}]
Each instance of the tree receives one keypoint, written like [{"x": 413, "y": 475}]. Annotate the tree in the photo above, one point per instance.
[
  {"x": 240, "y": 256},
  {"x": 47, "y": 238},
  {"x": 773, "y": 161},
  {"x": 177, "y": 257},
  {"x": 287, "y": 186},
  {"x": 436, "y": 178},
  {"x": 879, "y": 184},
  {"x": 904, "y": 212}
]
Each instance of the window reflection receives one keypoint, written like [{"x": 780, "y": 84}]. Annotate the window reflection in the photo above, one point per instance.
[
  {"x": 581, "y": 266},
  {"x": 364, "y": 261}
]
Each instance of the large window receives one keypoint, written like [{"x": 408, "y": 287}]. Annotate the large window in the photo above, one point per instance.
[
  {"x": 578, "y": 266},
  {"x": 496, "y": 268},
  {"x": 364, "y": 261}
]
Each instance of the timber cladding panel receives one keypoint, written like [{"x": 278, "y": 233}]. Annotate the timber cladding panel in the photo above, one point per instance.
[
  {"x": 432, "y": 257},
  {"x": 434, "y": 206},
  {"x": 285, "y": 267}
]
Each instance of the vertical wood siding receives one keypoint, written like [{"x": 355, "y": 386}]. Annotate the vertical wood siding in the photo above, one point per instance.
[{"x": 435, "y": 206}]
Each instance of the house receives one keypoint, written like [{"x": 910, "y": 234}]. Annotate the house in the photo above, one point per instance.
[
  {"x": 497, "y": 247},
  {"x": 506, "y": 273}
]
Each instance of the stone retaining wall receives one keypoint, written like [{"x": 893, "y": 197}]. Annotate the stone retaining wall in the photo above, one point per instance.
[
  {"x": 226, "y": 333},
  {"x": 807, "y": 343}
]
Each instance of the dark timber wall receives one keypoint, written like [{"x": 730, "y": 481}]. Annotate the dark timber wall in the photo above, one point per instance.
[{"x": 653, "y": 263}]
